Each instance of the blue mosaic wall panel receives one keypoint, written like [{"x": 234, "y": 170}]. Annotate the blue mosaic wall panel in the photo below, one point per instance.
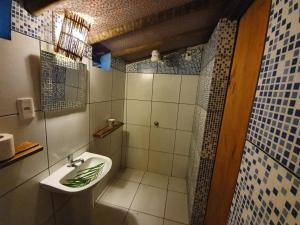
[
  {"x": 118, "y": 64},
  {"x": 268, "y": 187},
  {"x": 266, "y": 193},
  {"x": 274, "y": 125}
]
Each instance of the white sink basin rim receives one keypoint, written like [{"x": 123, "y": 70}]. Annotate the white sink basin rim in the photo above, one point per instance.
[{"x": 76, "y": 179}]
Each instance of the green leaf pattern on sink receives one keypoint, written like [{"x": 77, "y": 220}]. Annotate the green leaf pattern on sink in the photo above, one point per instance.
[{"x": 84, "y": 177}]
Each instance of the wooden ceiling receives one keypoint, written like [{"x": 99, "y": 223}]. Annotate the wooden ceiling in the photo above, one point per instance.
[{"x": 131, "y": 29}]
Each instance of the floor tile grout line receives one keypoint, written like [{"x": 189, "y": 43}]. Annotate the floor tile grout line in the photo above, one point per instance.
[
  {"x": 127, "y": 180},
  {"x": 140, "y": 183},
  {"x": 124, "y": 220},
  {"x": 166, "y": 199}
]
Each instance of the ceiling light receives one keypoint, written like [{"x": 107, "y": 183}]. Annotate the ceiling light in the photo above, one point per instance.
[{"x": 188, "y": 55}]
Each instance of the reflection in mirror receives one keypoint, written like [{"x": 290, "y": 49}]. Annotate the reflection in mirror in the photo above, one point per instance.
[{"x": 63, "y": 83}]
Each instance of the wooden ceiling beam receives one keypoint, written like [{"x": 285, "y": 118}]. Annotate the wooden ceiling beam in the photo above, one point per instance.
[
  {"x": 149, "y": 21},
  {"x": 158, "y": 43}
]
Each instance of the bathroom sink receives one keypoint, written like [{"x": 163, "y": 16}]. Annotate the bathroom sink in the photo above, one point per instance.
[{"x": 78, "y": 178}]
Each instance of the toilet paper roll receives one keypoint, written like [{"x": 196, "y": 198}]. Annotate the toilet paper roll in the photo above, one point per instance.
[{"x": 7, "y": 146}]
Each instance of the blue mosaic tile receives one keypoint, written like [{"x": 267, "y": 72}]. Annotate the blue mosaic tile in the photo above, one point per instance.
[
  {"x": 37, "y": 27},
  {"x": 118, "y": 64},
  {"x": 267, "y": 190},
  {"x": 266, "y": 193},
  {"x": 274, "y": 125},
  {"x": 220, "y": 42}
]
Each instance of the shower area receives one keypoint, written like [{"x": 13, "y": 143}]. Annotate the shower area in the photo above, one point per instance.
[{"x": 173, "y": 112}]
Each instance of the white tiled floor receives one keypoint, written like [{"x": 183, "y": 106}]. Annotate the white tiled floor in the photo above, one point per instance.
[{"x": 136, "y": 197}]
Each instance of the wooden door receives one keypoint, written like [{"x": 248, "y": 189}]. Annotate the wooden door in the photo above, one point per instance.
[{"x": 243, "y": 79}]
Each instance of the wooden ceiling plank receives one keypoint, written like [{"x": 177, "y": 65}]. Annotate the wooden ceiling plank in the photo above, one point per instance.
[
  {"x": 148, "y": 21},
  {"x": 156, "y": 44}
]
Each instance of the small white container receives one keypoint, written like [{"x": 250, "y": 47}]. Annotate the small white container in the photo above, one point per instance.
[
  {"x": 7, "y": 146},
  {"x": 111, "y": 122}
]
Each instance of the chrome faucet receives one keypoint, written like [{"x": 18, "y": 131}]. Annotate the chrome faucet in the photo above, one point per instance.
[{"x": 72, "y": 162}]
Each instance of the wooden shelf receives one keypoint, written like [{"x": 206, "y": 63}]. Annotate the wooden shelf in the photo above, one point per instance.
[
  {"x": 108, "y": 130},
  {"x": 22, "y": 151}
]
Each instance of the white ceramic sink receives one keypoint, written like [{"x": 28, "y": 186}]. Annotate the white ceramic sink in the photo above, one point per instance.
[{"x": 76, "y": 179}]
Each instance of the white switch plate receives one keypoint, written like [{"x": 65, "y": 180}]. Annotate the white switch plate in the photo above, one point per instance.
[{"x": 25, "y": 108}]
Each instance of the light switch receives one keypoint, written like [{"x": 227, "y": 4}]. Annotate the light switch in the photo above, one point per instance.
[{"x": 25, "y": 108}]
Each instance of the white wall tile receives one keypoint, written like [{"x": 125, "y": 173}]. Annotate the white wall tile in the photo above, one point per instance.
[
  {"x": 162, "y": 139},
  {"x": 165, "y": 114},
  {"x": 34, "y": 131},
  {"x": 116, "y": 164},
  {"x": 139, "y": 86},
  {"x": 125, "y": 111},
  {"x": 160, "y": 162},
  {"x": 20, "y": 72},
  {"x": 182, "y": 143},
  {"x": 62, "y": 162},
  {"x": 180, "y": 165},
  {"x": 100, "y": 85},
  {"x": 166, "y": 88},
  {"x": 185, "y": 117},
  {"x": 117, "y": 110},
  {"x": 116, "y": 141},
  {"x": 137, "y": 158},
  {"x": 101, "y": 146},
  {"x": 138, "y": 112},
  {"x": 99, "y": 113},
  {"x": 78, "y": 209},
  {"x": 188, "y": 90},
  {"x": 118, "y": 86},
  {"x": 66, "y": 133},
  {"x": 137, "y": 136},
  {"x": 22, "y": 170},
  {"x": 28, "y": 204},
  {"x": 25, "y": 130}
]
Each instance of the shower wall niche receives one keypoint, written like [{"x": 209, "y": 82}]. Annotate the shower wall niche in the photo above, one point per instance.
[{"x": 211, "y": 93}]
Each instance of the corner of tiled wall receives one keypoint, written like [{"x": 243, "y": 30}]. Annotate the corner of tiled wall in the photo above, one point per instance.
[
  {"x": 212, "y": 87},
  {"x": 268, "y": 185}
]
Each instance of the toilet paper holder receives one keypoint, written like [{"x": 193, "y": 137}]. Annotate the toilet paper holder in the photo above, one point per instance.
[{"x": 22, "y": 151}]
